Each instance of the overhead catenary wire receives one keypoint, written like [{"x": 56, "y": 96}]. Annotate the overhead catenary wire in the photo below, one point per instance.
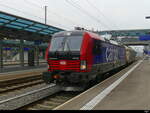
[
  {"x": 100, "y": 12},
  {"x": 40, "y": 7},
  {"x": 78, "y": 14},
  {"x": 33, "y": 4},
  {"x": 54, "y": 13},
  {"x": 51, "y": 12},
  {"x": 58, "y": 15},
  {"x": 77, "y": 7},
  {"x": 86, "y": 13},
  {"x": 29, "y": 14},
  {"x": 97, "y": 19}
]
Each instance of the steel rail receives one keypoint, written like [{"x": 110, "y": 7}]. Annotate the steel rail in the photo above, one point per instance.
[{"x": 29, "y": 97}]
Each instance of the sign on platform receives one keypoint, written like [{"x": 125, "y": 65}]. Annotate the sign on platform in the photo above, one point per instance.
[
  {"x": 37, "y": 42},
  {"x": 144, "y": 37}
]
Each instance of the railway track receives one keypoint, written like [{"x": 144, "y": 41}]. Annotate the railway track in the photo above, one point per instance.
[
  {"x": 28, "y": 96},
  {"x": 10, "y": 85},
  {"x": 52, "y": 101},
  {"x": 54, "y": 96},
  {"x": 20, "y": 79},
  {"x": 46, "y": 97}
]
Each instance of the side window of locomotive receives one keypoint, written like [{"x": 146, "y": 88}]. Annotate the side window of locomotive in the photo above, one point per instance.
[{"x": 96, "y": 47}]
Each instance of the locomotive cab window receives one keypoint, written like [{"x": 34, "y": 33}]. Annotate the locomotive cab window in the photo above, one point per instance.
[
  {"x": 96, "y": 47},
  {"x": 73, "y": 43},
  {"x": 69, "y": 43}
]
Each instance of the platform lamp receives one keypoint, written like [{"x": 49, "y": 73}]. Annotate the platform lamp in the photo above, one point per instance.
[
  {"x": 148, "y": 17},
  {"x": 45, "y": 14},
  {"x": 45, "y": 8}
]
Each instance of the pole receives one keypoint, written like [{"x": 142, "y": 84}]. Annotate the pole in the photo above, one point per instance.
[
  {"x": 148, "y": 17},
  {"x": 45, "y": 14},
  {"x": 21, "y": 52},
  {"x": 1, "y": 55},
  {"x": 149, "y": 52}
]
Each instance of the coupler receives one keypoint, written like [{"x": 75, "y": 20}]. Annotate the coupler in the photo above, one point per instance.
[{"x": 47, "y": 77}]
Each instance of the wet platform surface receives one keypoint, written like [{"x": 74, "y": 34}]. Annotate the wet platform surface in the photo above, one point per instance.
[{"x": 132, "y": 93}]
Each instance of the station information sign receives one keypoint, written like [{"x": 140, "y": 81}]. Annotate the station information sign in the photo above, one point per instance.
[
  {"x": 144, "y": 37},
  {"x": 37, "y": 42}
]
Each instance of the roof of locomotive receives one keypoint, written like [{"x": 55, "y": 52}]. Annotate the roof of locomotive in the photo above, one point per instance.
[
  {"x": 78, "y": 32},
  {"x": 82, "y": 32},
  {"x": 67, "y": 33}
]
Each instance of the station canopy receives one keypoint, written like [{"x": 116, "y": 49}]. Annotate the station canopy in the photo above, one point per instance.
[{"x": 15, "y": 27}]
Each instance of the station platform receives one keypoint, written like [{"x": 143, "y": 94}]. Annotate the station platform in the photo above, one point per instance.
[
  {"x": 127, "y": 90},
  {"x": 14, "y": 68},
  {"x": 15, "y": 72}
]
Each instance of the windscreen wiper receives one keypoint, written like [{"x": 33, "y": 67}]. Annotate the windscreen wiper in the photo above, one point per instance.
[
  {"x": 69, "y": 50},
  {"x": 60, "y": 46},
  {"x": 56, "y": 51}
]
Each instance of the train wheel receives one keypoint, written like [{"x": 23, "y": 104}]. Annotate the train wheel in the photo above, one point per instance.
[{"x": 99, "y": 78}]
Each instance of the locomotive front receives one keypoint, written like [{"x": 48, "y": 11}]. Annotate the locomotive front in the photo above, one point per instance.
[{"x": 65, "y": 62}]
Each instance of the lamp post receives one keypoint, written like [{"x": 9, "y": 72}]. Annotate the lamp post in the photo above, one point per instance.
[
  {"x": 148, "y": 17},
  {"x": 45, "y": 14}
]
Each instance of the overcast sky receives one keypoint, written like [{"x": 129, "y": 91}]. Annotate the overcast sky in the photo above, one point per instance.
[{"x": 97, "y": 14}]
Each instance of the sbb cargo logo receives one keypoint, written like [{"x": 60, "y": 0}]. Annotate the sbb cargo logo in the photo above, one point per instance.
[
  {"x": 111, "y": 54},
  {"x": 63, "y": 63}
]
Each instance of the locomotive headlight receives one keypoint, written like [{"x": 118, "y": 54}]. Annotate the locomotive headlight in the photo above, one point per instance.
[
  {"x": 48, "y": 66},
  {"x": 83, "y": 65}
]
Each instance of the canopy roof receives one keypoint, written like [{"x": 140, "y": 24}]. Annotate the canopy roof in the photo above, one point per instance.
[{"x": 9, "y": 22}]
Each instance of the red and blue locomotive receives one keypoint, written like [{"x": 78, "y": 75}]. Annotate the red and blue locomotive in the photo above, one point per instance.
[{"x": 81, "y": 56}]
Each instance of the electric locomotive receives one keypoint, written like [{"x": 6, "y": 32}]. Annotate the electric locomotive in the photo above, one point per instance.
[{"x": 77, "y": 57}]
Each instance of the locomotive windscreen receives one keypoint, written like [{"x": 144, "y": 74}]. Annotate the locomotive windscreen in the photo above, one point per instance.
[{"x": 70, "y": 43}]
